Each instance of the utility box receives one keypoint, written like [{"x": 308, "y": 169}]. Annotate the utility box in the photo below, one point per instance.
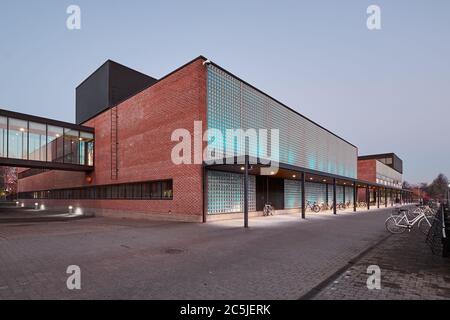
[{"x": 110, "y": 84}]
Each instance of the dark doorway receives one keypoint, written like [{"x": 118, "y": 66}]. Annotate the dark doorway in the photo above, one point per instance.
[{"x": 269, "y": 190}]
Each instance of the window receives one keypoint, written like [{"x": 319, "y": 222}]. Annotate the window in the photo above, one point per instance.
[
  {"x": 86, "y": 145},
  {"x": 156, "y": 190},
  {"x": 71, "y": 146},
  {"x": 17, "y": 139},
  {"x": 3, "y": 136},
  {"x": 127, "y": 191},
  {"x": 55, "y": 144},
  {"x": 37, "y": 141},
  {"x": 167, "y": 189}
]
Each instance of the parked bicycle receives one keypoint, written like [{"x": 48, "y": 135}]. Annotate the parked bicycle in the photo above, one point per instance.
[
  {"x": 406, "y": 220},
  {"x": 313, "y": 206},
  {"x": 362, "y": 204},
  {"x": 325, "y": 206},
  {"x": 343, "y": 205},
  {"x": 268, "y": 210}
]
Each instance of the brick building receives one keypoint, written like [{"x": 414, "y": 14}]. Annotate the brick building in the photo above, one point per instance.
[{"x": 133, "y": 117}]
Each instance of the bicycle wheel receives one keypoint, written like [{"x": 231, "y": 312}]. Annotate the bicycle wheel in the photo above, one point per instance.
[
  {"x": 424, "y": 225},
  {"x": 316, "y": 208},
  {"x": 392, "y": 226}
]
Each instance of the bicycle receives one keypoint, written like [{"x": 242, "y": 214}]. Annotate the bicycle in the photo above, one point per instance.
[
  {"x": 325, "y": 206},
  {"x": 268, "y": 210},
  {"x": 312, "y": 206},
  {"x": 400, "y": 223},
  {"x": 362, "y": 204}
]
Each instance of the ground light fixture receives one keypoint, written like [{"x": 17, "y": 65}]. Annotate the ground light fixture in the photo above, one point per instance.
[
  {"x": 22, "y": 204},
  {"x": 36, "y": 205},
  {"x": 70, "y": 209},
  {"x": 17, "y": 203}
]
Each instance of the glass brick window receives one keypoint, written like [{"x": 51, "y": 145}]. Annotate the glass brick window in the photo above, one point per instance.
[
  {"x": 233, "y": 104},
  {"x": 226, "y": 192}
]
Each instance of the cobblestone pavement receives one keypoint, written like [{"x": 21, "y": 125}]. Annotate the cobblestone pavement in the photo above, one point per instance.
[
  {"x": 409, "y": 271},
  {"x": 279, "y": 257}
]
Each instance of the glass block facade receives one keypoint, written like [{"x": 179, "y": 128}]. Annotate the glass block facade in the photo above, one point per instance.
[
  {"x": 226, "y": 192},
  {"x": 233, "y": 104},
  {"x": 292, "y": 194},
  {"x": 314, "y": 192}
]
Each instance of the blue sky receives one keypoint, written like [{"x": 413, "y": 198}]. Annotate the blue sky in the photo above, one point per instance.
[{"x": 384, "y": 91}]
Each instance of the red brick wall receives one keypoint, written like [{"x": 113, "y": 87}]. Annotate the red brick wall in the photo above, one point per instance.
[
  {"x": 367, "y": 170},
  {"x": 146, "y": 122}
]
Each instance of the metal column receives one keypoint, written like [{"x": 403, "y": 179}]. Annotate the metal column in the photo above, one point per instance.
[
  {"x": 368, "y": 197},
  {"x": 355, "y": 192},
  {"x": 303, "y": 196},
  {"x": 392, "y": 200},
  {"x": 205, "y": 193},
  {"x": 385, "y": 198},
  {"x": 246, "y": 193},
  {"x": 377, "y": 193},
  {"x": 334, "y": 196}
]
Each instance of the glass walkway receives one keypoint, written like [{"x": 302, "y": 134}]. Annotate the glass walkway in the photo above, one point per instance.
[{"x": 35, "y": 142}]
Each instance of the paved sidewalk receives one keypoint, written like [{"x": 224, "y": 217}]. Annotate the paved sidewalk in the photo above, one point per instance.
[
  {"x": 409, "y": 271},
  {"x": 279, "y": 257}
]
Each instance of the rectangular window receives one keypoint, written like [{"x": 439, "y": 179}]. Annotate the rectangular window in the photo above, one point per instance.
[
  {"x": 166, "y": 189},
  {"x": 86, "y": 145},
  {"x": 137, "y": 190},
  {"x": 156, "y": 190},
  {"x": 37, "y": 141},
  {"x": 55, "y": 144},
  {"x": 3, "y": 136},
  {"x": 127, "y": 191},
  {"x": 146, "y": 190},
  {"x": 71, "y": 146},
  {"x": 17, "y": 139}
]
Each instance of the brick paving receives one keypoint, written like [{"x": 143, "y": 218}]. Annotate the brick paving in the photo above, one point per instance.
[
  {"x": 279, "y": 257},
  {"x": 409, "y": 271}
]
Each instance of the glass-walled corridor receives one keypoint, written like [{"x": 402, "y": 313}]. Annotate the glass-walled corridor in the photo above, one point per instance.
[{"x": 39, "y": 141}]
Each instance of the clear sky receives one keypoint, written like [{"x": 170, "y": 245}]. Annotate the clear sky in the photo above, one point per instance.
[{"x": 385, "y": 91}]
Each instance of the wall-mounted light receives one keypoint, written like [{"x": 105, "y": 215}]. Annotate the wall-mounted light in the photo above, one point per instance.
[
  {"x": 242, "y": 168},
  {"x": 294, "y": 176},
  {"x": 22, "y": 129}
]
